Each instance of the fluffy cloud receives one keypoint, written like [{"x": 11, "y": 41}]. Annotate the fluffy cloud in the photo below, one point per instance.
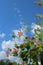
[
  {"x": 3, "y": 55},
  {"x": 7, "y": 44},
  {"x": 2, "y": 35}
]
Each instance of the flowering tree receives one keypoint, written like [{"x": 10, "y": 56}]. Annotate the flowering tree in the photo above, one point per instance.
[
  {"x": 31, "y": 48},
  {"x": 24, "y": 49}
]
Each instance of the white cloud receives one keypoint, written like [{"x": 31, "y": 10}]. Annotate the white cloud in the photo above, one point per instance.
[
  {"x": 7, "y": 44},
  {"x": 3, "y": 55},
  {"x": 2, "y": 35}
]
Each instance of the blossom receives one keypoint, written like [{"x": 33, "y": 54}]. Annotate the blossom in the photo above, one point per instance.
[
  {"x": 7, "y": 54},
  {"x": 14, "y": 59},
  {"x": 38, "y": 45},
  {"x": 20, "y": 33},
  {"x": 35, "y": 27},
  {"x": 3, "y": 55},
  {"x": 32, "y": 39},
  {"x": 20, "y": 36},
  {"x": 15, "y": 50},
  {"x": 8, "y": 44}
]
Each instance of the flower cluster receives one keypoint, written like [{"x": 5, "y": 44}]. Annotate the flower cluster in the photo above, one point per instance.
[{"x": 23, "y": 49}]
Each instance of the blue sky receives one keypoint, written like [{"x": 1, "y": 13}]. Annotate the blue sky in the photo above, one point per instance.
[{"x": 12, "y": 12}]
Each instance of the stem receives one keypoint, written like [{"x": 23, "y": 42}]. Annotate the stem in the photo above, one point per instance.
[
  {"x": 39, "y": 61},
  {"x": 23, "y": 62}
]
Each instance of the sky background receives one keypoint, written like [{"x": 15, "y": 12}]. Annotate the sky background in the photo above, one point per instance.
[{"x": 12, "y": 12}]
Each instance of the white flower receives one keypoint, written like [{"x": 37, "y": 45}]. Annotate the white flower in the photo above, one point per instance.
[
  {"x": 3, "y": 55},
  {"x": 35, "y": 26},
  {"x": 21, "y": 32},
  {"x": 19, "y": 41},
  {"x": 7, "y": 44},
  {"x": 11, "y": 58},
  {"x": 30, "y": 62},
  {"x": 14, "y": 59},
  {"x": 20, "y": 35}
]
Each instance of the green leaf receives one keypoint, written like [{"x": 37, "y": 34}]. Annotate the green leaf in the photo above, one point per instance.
[{"x": 15, "y": 63}]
